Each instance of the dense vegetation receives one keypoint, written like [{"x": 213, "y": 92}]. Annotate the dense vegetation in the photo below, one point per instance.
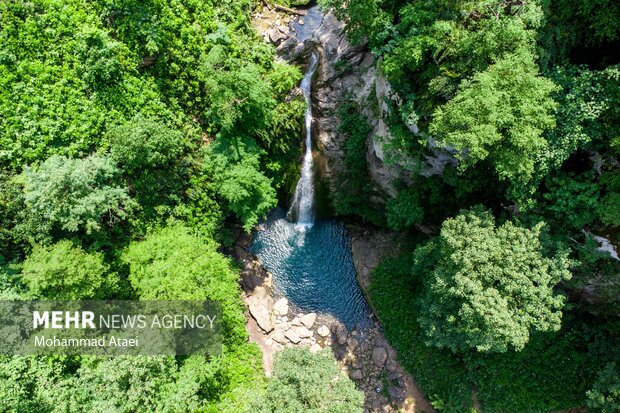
[
  {"x": 504, "y": 291},
  {"x": 133, "y": 136},
  {"x": 137, "y": 135},
  {"x": 306, "y": 382}
]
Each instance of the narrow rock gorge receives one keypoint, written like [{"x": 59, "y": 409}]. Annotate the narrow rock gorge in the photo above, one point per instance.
[{"x": 345, "y": 71}]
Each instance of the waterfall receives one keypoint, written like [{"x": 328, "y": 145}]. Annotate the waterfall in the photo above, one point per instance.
[{"x": 302, "y": 206}]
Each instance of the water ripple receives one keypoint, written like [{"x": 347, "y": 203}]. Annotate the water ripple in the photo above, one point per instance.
[{"x": 312, "y": 267}]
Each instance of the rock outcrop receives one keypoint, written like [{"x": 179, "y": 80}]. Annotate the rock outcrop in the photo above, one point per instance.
[
  {"x": 260, "y": 305},
  {"x": 346, "y": 71}
]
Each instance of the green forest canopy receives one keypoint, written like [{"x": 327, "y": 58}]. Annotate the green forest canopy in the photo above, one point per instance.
[
  {"x": 135, "y": 134},
  {"x": 132, "y": 133},
  {"x": 501, "y": 278}
]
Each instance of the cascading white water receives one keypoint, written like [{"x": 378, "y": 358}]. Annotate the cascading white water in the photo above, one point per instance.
[{"x": 302, "y": 206}]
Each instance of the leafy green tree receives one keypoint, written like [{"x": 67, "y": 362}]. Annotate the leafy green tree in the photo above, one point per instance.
[
  {"x": 66, "y": 272},
  {"x": 303, "y": 381},
  {"x": 362, "y": 17},
  {"x": 153, "y": 156},
  {"x": 233, "y": 166},
  {"x": 572, "y": 27},
  {"x": 173, "y": 263},
  {"x": 487, "y": 287},
  {"x": 500, "y": 115},
  {"x": 582, "y": 101},
  {"x": 134, "y": 384},
  {"x": 609, "y": 209},
  {"x": 572, "y": 201},
  {"x": 145, "y": 143},
  {"x": 22, "y": 379},
  {"x": 405, "y": 210},
  {"x": 101, "y": 60},
  {"x": 238, "y": 100},
  {"x": 73, "y": 195},
  {"x": 11, "y": 284},
  {"x": 605, "y": 394}
]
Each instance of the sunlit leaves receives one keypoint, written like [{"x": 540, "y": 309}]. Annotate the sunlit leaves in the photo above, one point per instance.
[
  {"x": 500, "y": 114},
  {"x": 66, "y": 272},
  {"x": 74, "y": 195},
  {"x": 487, "y": 287}
]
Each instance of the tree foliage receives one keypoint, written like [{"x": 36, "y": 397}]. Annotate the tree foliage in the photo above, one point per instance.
[
  {"x": 73, "y": 195},
  {"x": 143, "y": 143},
  {"x": 488, "y": 287},
  {"x": 513, "y": 105},
  {"x": 605, "y": 394},
  {"x": 303, "y": 381},
  {"x": 500, "y": 115},
  {"x": 234, "y": 165},
  {"x": 66, "y": 272},
  {"x": 115, "y": 115},
  {"x": 174, "y": 263}
]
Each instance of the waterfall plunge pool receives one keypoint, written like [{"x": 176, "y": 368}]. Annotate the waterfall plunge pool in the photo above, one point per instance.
[
  {"x": 312, "y": 267},
  {"x": 311, "y": 260}
]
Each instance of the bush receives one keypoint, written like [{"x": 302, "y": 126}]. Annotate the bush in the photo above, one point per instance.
[
  {"x": 308, "y": 382},
  {"x": 66, "y": 272}
]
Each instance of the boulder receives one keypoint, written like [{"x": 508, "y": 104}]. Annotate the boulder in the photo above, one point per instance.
[
  {"x": 276, "y": 36},
  {"x": 341, "y": 333},
  {"x": 315, "y": 348},
  {"x": 292, "y": 336},
  {"x": 308, "y": 320},
  {"x": 303, "y": 332},
  {"x": 352, "y": 343},
  {"x": 394, "y": 376},
  {"x": 279, "y": 337},
  {"x": 391, "y": 366},
  {"x": 323, "y": 331},
  {"x": 281, "y": 307},
  {"x": 306, "y": 342},
  {"x": 259, "y": 305},
  {"x": 379, "y": 356},
  {"x": 396, "y": 393},
  {"x": 356, "y": 375}
]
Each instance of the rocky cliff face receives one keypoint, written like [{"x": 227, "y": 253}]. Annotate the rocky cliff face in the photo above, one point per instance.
[{"x": 346, "y": 71}]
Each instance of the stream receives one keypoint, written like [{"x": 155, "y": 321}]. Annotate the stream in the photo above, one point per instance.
[{"x": 311, "y": 259}]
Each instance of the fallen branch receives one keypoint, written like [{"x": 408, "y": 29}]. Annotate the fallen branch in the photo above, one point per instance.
[{"x": 289, "y": 10}]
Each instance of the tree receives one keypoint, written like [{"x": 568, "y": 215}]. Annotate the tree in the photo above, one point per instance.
[
  {"x": 151, "y": 153},
  {"x": 66, "y": 272},
  {"x": 145, "y": 143},
  {"x": 605, "y": 394},
  {"x": 487, "y": 287},
  {"x": 73, "y": 195},
  {"x": 572, "y": 202},
  {"x": 500, "y": 115},
  {"x": 173, "y": 263},
  {"x": 239, "y": 101},
  {"x": 233, "y": 166},
  {"x": 134, "y": 384},
  {"x": 307, "y": 382},
  {"x": 98, "y": 53}
]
